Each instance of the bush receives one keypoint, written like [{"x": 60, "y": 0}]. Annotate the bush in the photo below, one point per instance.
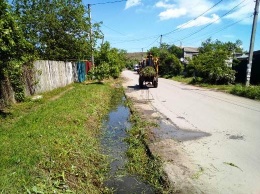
[
  {"x": 212, "y": 67},
  {"x": 104, "y": 71},
  {"x": 99, "y": 72},
  {"x": 252, "y": 92},
  {"x": 171, "y": 65},
  {"x": 220, "y": 75}
]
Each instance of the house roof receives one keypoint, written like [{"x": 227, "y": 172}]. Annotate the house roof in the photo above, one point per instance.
[
  {"x": 245, "y": 56},
  {"x": 191, "y": 49}
]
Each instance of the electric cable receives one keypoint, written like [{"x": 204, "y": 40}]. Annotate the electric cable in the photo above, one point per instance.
[
  {"x": 181, "y": 27},
  {"x": 223, "y": 28},
  {"x": 110, "y": 28},
  {"x": 134, "y": 40},
  {"x": 211, "y": 22},
  {"x": 195, "y": 32},
  {"x": 152, "y": 42},
  {"x": 109, "y": 2}
]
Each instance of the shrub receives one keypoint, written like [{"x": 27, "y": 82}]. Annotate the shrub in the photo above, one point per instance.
[
  {"x": 252, "y": 92},
  {"x": 100, "y": 72}
]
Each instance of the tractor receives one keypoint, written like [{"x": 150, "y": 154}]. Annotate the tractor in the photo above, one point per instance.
[{"x": 148, "y": 72}]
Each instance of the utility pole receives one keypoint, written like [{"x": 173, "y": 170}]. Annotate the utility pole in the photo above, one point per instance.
[
  {"x": 90, "y": 36},
  {"x": 161, "y": 41},
  {"x": 252, "y": 41}
]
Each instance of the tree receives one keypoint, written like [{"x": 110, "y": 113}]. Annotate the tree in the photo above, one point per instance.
[
  {"x": 109, "y": 62},
  {"x": 174, "y": 66},
  {"x": 169, "y": 63},
  {"x": 59, "y": 29},
  {"x": 212, "y": 62},
  {"x": 15, "y": 51},
  {"x": 176, "y": 51}
]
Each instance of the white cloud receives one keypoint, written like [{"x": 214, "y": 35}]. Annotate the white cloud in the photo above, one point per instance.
[
  {"x": 246, "y": 9},
  {"x": 191, "y": 9},
  {"x": 165, "y": 5},
  {"x": 177, "y": 8},
  {"x": 172, "y": 13},
  {"x": 132, "y": 3},
  {"x": 200, "y": 21}
]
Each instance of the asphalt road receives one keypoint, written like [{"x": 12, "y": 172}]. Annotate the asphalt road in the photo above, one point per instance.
[{"x": 222, "y": 132}]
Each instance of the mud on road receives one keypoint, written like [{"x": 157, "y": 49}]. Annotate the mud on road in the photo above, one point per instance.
[
  {"x": 208, "y": 140},
  {"x": 177, "y": 166}
]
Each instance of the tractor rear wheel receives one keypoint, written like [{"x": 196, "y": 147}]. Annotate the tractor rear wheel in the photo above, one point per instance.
[
  {"x": 155, "y": 82},
  {"x": 141, "y": 82}
]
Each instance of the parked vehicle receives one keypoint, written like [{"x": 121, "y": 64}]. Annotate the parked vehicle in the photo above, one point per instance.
[
  {"x": 148, "y": 71},
  {"x": 136, "y": 67}
]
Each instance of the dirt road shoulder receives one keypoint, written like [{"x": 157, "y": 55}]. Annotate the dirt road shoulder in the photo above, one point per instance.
[{"x": 181, "y": 172}]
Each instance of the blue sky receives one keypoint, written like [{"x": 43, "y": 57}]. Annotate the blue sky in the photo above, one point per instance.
[{"x": 136, "y": 25}]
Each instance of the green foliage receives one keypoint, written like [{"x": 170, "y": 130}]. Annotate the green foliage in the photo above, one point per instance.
[
  {"x": 100, "y": 72},
  {"x": 176, "y": 51},
  {"x": 109, "y": 62},
  {"x": 57, "y": 29},
  {"x": 212, "y": 62},
  {"x": 229, "y": 47},
  {"x": 169, "y": 63},
  {"x": 15, "y": 51},
  {"x": 155, "y": 51},
  {"x": 174, "y": 66},
  {"x": 52, "y": 146},
  {"x": 148, "y": 71},
  {"x": 252, "y": 92},
  {"x": 140, "y": 160},
  {"x": 130, "y": 63}
]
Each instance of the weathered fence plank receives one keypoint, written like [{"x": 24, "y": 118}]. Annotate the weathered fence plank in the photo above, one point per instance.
[{"x": 44, "y": 76}]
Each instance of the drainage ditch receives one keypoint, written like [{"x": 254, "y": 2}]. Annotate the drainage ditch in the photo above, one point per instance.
[{"x": 114, "y": 132}]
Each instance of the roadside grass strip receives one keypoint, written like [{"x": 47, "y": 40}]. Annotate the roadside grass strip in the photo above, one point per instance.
[
  {"x": 252, "y": 92},
  {"x": 51, "y": 145},
  {"x": 140, "y": 159}
]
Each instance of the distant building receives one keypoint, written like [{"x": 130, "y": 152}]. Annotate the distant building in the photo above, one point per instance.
[{"x": 188, "y": 52}]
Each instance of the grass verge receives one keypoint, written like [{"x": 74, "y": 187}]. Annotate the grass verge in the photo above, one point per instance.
[
  {"x": 51, "y": 145},
  {"x": 140, "y": 160},
  {"x": 252, "y": 92}
]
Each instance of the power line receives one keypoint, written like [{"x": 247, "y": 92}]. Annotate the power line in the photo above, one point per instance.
[
  {"x": 212, "y": 22},
  {"x": 134, "y": 40},
  {"x": 181, "y": 27},
  {"x": 155, "y": 35},
  {"x": 109, "y": 2},
  {"x": 224, "y": 28},
  {"x": 110, "y": 28},
  {"x": 152, "y": 42}
]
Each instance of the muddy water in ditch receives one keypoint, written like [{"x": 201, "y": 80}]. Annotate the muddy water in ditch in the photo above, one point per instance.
[{"x": 114, "y": 146}]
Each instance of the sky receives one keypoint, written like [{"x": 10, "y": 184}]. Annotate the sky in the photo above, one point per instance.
[{"x": 138, "y": 25}]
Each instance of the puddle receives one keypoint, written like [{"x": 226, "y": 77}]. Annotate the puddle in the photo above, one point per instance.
[
  {"x": 168, "y": 131},
  {"x": 113, "y": 145}
]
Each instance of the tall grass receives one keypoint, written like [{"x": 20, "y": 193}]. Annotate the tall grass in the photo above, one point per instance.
[
  {"x": 140, "y": 160},
  {"x": 51, "y": 145},
  {"x": 252, "y": 92}
]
